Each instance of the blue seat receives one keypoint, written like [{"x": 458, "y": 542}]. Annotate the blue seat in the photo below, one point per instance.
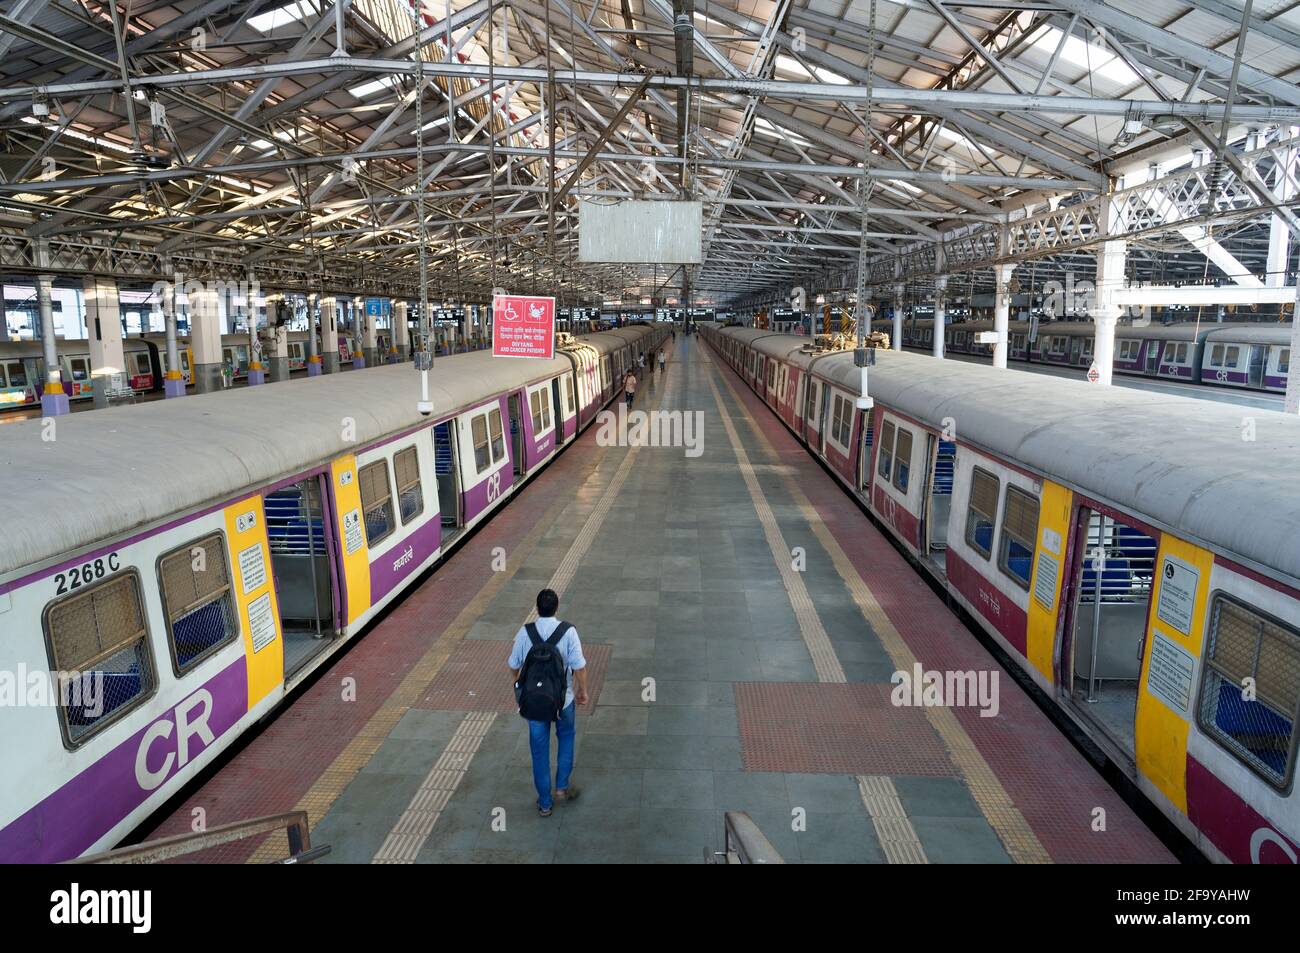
[
  {"x": 1253, "y": 725},
  {"x": 984, "y": 536}
]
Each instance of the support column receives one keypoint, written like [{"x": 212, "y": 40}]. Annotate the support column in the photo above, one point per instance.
[
  {"x": 1105, "y": 314},
  {"x": 314, "y": 305},
  {"x": 54, "y": 399},
  {"x": 104, "y": 328},
  {"x": 1002, "y": 313},
  {"x": 174, "y": 378},
  {"x": 205, "y": 340},
  {"x": 276, "y": 352},
  {"x": 256, "y": 361},
  {"x": 1291, "y": 402},
  {"x": 401, "y": 340},
  {"x": 897, "y": 342},
  {"x": 329, "y": 335},
  {"x": 940, "y": 312}
]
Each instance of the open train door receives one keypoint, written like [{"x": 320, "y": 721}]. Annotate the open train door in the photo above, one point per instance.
[
  {"x": 303, "y": 568},
  {"x": 1111, "y": 580}
]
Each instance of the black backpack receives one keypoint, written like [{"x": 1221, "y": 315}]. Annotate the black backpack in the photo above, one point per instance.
[{"x": 542, "y": 685}]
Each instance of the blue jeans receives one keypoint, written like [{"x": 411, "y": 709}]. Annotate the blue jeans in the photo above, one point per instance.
[{"x": 539, "y": 740}]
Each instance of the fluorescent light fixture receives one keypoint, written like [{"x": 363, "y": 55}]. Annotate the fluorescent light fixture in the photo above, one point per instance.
[{"x": 266, "y": 22}]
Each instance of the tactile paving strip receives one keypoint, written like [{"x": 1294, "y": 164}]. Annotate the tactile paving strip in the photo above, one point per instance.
[
  {"x": 834, "y": 728},
  {"x": 474, "y": 678}
]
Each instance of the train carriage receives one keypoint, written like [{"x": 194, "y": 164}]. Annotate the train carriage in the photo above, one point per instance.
[
  {"x": 166, "y": 613},
  {"x": 1102, "y": 539}
]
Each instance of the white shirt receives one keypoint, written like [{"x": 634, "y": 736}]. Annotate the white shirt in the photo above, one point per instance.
[{"x": 570, "y": 648}]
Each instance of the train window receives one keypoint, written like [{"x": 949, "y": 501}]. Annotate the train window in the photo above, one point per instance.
[
  {"x": 885, "y": 466},
  {"x": 17, "y": 374},
  {"x": 99, "y": 641},
  {"x": 498, "y": 441},
  {"x": 546, "y": 409},
  {"x": 195, "y": 585},
  {"x": 1180, "y": 353},
  {"x": 1284, "y": 361},
  {"x": 846, "y": 423},
  {"x": 1216, "y": 356},
  {"x": 1058, "y": 344},
  {"x": 1087, "y": 347},
  {"x": 410, "y": 499},
  {"x": 982, "y": 511},
  {"x": 80, "y": 368},
  {"x": 903, "y": 460},
  {"x": 535, "y": 405},
  {"x": 1019, "y": 532},
  {"x": 836, "y": 415},
  {"x": 142, "y": 362},
  {"x": 1245, "y": 644},
  {"x": 810, "y": 400},
  {"x": 1231, "y": 356},
  {"x": 376, "y": 501},
  {"x": 572, "y": 394}
]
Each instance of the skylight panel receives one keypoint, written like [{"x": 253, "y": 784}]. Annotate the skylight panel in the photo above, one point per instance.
[{"x": 281, "y": 16}]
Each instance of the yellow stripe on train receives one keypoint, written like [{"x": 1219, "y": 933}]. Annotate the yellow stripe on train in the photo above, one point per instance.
[
  {"x": 1175, "y": 640},
  {"x": 255, "y": 600},
  {"x": 348, "y": 516}
]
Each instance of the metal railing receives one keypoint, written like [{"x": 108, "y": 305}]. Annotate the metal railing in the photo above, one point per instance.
[
  {"x": 743, "y": 843},
  {"x": 294, "y": 823}
]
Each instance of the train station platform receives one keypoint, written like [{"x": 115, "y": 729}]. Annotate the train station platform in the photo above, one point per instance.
[{"x": 770, "y": 616}]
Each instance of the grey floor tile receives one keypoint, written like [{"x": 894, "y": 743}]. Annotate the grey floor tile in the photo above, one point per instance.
[
  {"x": 959, "y": 840},
  {"x": 677, "y": 787},
  {"x": 749, "y": 791},
  {"x": 935, "y": 797},
  {"x": 679, "y": 833},
  {"x": 608, "y": 720}
]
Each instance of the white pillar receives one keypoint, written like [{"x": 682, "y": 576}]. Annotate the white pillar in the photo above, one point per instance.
[
  {"x": 174, "y": 377},
  {"x": 329, "y": 334},
  {"x": 897, "y": 342},
  {"x": 401, "y": 331},
  {"x": 940, "y": 310},
  {"x": 205, "y": 339},
  {"x": 104, "y": 328},
  {"x": 1105, "y": 313},
  {"x": 54, "y": 400},
  {"x": 1002, "y": 313}
]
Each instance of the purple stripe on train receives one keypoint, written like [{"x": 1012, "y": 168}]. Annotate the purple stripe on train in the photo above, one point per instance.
[
  {"x": 388, "y": 571},
  {"x": 74, "y": 817}
]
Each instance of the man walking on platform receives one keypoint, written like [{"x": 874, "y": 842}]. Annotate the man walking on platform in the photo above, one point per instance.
[
  {"x": 550, "y": 676},
  {"x": 629, "y": 386}
]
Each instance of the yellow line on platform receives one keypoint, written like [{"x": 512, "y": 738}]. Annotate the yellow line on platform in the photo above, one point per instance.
[{"x": 898, "y": 838}]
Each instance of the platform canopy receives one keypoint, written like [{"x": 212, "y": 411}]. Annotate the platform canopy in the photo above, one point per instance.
[{"x": 266, "y": 133}]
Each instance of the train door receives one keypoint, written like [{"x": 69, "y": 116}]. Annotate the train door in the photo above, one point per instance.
[
  {"x": 1153, "y": 356},
  {"x": 516, "y": 434},
  {"x": 1258, "y": 360},
  {"x": 864, "y": 457},
  {"x": 304, "y": 589},
  {"x": 444, "y": 465},
  {"x": 1112, "y": 584},
  {"x": 557, "y": 409},
  {"x": 1076, "y": 350},
  {"x": 943, "y": 467},
  {"x": 809, "y": 404}
]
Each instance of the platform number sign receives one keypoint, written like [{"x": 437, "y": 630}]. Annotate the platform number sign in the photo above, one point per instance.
[{"x": 523, "y": 326}]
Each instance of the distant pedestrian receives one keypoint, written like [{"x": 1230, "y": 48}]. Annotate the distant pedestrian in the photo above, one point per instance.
[
  {"x": 629, "y": 386},
  {"x": 550, "y": 676},
  {"x": 663, "y": 357}
]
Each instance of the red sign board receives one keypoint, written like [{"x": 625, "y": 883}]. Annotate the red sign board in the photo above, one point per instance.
[
  {"x": 1093, "y": 374},
  {"x": 523, "y": 326}
]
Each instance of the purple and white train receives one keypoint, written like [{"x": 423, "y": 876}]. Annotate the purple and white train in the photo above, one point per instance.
[
  {"x": 220, "y": 548},
  {"x": 1251, "y": 356}
]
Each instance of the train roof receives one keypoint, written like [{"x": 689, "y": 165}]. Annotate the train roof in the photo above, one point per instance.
[
  {"x": 1179, "y": 461},
  {"x": 1253, "y": 333},
  {"x": 133, "y": 466}
]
